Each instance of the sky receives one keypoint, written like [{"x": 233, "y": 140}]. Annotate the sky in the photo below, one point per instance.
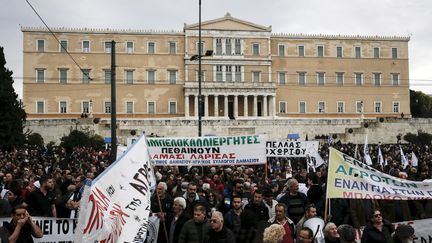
[{"x": 404, "y": 18}]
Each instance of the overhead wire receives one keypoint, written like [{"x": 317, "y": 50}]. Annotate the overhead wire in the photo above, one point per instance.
[{"x": 59, "y": 42}]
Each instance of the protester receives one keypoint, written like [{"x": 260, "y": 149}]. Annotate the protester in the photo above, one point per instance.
[
  {"x": 331, "y": 234},
  {"x": 219, "y": 233},
  {"x": 347, "y": 233},
  {"x": 22, "y": 229},
  {"x": 177, "y": 220},
  {"x": 194, "y": 230},
  {"x": 295, "y": 201},
  {"x": 378, "y": 230},
  {"x": 403, "y": 234},
  {"x": 41, "y": 201},
  {"x": 274, "y": 234},
  {"x": 286, "y": 222},
  {"x": 305, "y": 235},
  {"x": 232, "y": 218},
  {"x": 311, "y": 212},
  {"x": 258, "y": 207}
]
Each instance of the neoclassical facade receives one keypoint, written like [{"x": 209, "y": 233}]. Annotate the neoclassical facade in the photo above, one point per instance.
[{"x": 252, "y": 74}]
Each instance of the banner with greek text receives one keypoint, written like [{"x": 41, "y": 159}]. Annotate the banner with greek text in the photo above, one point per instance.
[
  {"x": 54, "y": 229},
  {"x": 350, "y": 178},
  {"x": 118, "y": 203},
  {"x": 239, "y": 150},
  {"x": 290, "y": 148}
]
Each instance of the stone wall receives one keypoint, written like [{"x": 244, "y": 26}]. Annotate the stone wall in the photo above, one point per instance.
[{"x": 382, "y": 130}]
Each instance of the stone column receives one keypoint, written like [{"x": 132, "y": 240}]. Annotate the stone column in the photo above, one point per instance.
[
  {"x": 186, "y": 106},
  {"x": 206, "y": 107},
  {"x": 196, "y": 106},
  {"x": 265, "y": 105},
  {"x": 255, "y": 104},
  {"x": 226, "y": 106},
  {"x": 273, "y": 103},
  {"x": 216, "y": 105},
  {"x": 235, "y": 106},
  {"x": 245, "y": 103}
]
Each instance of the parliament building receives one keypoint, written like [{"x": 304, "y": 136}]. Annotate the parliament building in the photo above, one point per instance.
[{"x": 249, "y": 73}]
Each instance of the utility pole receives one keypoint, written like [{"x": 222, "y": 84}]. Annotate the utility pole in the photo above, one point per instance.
[
  {"x": 113, "y": 105},
  {"x": 200, "y": 101}
]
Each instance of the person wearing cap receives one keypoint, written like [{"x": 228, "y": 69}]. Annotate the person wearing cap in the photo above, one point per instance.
[
  {"x": 176, "y": 220},
  {"x": 403, "y": 234}
]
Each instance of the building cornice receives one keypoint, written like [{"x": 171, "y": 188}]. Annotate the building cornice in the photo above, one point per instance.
[
  {"x": 341, "y": 37},
  {"x": 101, "y": 31}
]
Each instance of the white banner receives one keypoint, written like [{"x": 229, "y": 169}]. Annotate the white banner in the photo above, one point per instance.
[
  {"x": 118, "y": 204},
  {"x": 230, "y": 150},
  {"x": 54, "y": 229},
  {"x": 289, "y": 148},
  {"x": 153, "y": 229},
  {"x": 352, "y": 179}
]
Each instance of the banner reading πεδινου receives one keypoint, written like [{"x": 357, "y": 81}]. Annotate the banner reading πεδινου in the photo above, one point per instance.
[{"x": 208, "y": 151}]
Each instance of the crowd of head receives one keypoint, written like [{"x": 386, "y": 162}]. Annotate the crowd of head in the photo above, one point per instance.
[{"x": 233, "y": 203}]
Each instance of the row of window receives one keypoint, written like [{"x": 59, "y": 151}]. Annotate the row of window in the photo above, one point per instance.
[
  {"x": 86, "y": 76},
  {"x": 340, "y": 106},
  {"x": 129, "y": 46},
  {"x": 222, "y": 46},
  {"x": 319, "y": 51},
  {"x": 86, "y": 107},
  {"x": 226, "y": 73}
]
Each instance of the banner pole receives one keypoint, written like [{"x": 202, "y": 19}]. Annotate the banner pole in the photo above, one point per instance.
[
  {"x": 163, "y": 222},
  {"x": 326, "y": 210}
]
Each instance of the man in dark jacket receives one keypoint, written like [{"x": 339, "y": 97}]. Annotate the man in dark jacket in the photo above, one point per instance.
[
  {"x": 195, "y": 230},
  {"x": 218, "y": 232},
  {"x": 177, "y": 220},
  {"x": 258, "y": 207}
]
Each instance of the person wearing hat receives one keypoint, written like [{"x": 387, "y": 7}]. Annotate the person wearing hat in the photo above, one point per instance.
[{"x": 403, "y": 234}]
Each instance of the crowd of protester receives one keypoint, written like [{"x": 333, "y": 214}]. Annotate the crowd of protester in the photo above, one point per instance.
[{"x": 224, "y": 203}]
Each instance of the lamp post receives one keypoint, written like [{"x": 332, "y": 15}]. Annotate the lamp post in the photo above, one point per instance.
[
  {"x": 200, "y": 101},
  {"x": 193, "y": 58}
]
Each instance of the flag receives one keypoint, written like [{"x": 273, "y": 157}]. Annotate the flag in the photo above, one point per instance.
[
  {"x": 414, "y": 160},
  {"x": 366, "y": 157},
  {"x": 310, "y": 164},
  {"x": 116, "y": 206},
  {"x": 404, "y": 160},
  {"x": 356, "y": 152},
  {"x": 329, "y": 139},
  {"x": 380, "y": 157},
  {"x": 318, "y": 159}
]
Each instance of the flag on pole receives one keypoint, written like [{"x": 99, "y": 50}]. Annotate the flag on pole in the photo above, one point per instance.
[
  {"x": 414, "y": 160},
  {"x": 116, "y": 206},
  {"x": 366, "y": 157},
  {"x": 310, "y": 164},
  {"x": 356, "y": 152},
  {"x": 404, "y": 160},
  {"x": 381, "y": 160}
]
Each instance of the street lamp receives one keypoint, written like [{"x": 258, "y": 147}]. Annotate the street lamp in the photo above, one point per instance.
[{"x": 194, "y": 58}]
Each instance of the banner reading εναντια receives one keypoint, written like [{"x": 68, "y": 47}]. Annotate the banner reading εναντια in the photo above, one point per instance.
[{"x": 352, "y": 179}]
